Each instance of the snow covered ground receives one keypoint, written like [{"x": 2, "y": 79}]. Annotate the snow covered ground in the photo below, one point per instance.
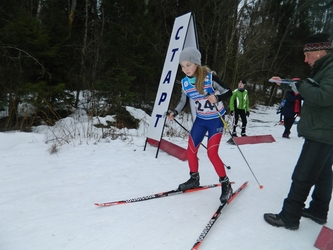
[{"x": 47, "y": 200}]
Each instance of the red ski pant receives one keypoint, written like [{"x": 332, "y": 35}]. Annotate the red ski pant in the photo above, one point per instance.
[{"x": 214, "y": 127}]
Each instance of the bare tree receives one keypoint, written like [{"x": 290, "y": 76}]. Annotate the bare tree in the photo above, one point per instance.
[{"x": 72, "y": 9}]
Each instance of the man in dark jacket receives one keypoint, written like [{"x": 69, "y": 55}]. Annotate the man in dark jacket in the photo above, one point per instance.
[{"x": 314, "y": 165}]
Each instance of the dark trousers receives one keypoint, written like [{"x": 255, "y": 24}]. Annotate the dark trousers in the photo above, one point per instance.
[
  {"x": 242, "y": 114},
  {"x": 288, "y": 123},
  {"x": 314, "y": 167}
]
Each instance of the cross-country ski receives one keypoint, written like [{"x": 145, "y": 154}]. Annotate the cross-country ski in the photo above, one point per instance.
[
  {"x": 215, "y": 217},
  {"x": 155, "y": 196}
]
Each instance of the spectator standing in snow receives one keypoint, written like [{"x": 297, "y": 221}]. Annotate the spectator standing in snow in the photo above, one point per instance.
[
  {"x": 290, "y": 110},
  {"x": 314, "y": 165},
  {"x": 207, "y": 91},
  {"x": 239, "y": 106}
]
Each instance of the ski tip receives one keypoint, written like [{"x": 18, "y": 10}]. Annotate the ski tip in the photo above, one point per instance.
[
  {"x": 196, "y": 246},
  {"x": 103, "y": 204},
  {"x": 261, "y": 186},
  {"x": 244, "y": 185},
  {"x": 100, "y": 204}
]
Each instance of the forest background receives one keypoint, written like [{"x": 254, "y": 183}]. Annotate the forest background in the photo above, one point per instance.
[{"x": 112, "y": 52}]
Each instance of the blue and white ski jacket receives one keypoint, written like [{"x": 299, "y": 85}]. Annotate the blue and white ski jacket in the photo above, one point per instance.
[{"x": 204, "y": 109}]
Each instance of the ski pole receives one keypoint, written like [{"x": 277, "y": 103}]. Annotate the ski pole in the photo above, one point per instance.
[
  {"x": 227, "y": 127},
  {"x": 228, "y": 167}
]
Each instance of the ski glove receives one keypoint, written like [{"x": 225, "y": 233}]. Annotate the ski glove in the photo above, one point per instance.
[{"x": 247, "y": 113}]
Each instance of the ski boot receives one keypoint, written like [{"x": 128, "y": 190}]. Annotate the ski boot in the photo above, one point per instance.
[
  {"x": 226, "y": 189},
  {"x": 193, "y": 182}
]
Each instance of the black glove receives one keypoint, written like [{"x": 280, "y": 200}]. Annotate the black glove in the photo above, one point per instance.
[
  {"x": 231, "y": 112},
  {"x": 247, "y": 113}
]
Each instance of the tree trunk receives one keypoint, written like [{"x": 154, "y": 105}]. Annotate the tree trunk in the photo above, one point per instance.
[{"x": 71, "y": 16}]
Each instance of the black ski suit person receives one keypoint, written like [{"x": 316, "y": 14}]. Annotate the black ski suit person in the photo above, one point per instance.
[
  {"x": 239, "y": 106},
  {"x": 314, "y": 165}
]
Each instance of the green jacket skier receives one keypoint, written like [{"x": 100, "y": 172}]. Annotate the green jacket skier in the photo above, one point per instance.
[{"x": 239, "y": 106}]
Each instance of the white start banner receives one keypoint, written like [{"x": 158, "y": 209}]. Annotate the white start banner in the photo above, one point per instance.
[{"x": 183, "y": 35}]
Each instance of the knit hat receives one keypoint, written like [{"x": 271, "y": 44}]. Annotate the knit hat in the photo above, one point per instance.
[
  {"x": 190, "y": 54},
  {"x": 319, "y": 41}
]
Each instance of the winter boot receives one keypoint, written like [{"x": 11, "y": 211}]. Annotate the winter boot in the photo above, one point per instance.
[
  {"x": 226, "y": 189},
  {"x": 193, "y": 182},
  {"x": 276, "y": 221},
  {"x": 307, "y": 214},
  {"x": 286, "y": 136}
]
